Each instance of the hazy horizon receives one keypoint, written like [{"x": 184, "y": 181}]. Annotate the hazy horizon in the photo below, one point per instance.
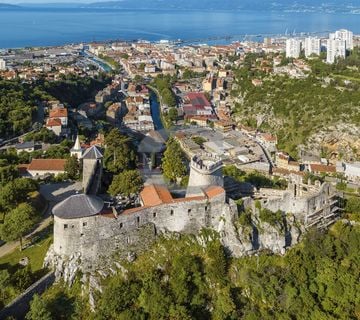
[{"x": 48, "y": 1}]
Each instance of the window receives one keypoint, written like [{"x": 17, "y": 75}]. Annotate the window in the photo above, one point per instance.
[
  {"x": 121, "y": 225},
  {"x": 138, "y": 221},
  {"x": 154, "y": 214},
  {"x": 172, "y": 212},
  {"x": 65, "y": 226},
  {"x": 72, "y": 227},
  {"x": 206, "y": 208},
  {"x": 84, "y": 224},
  {"x": 189, "y": 211}
]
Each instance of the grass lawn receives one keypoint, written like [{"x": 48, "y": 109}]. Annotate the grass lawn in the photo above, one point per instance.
[{"x": 35, "y": 252}]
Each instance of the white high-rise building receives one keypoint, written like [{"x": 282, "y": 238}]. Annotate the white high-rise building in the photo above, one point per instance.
[
  {"x": 2, "y": 64},
  {"x": 312, "y": 46},
  {"x": 293, "y": 48},
  {"x": 336, "y": 48},
  {"x": 346, "y": 36}
]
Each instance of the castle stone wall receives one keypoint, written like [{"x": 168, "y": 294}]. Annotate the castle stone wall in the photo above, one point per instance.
[
  {"x": 100, "y": 236},
  {"x": 314, "y": 204}
]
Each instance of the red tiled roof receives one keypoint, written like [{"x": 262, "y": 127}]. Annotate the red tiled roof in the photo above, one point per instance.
[
  {"x": 284, "y": 172},
  {"x": 47, "y": 165},
  {"x": 198, "y": 99},
  {"x": 53, "y": 122},
  {"x": 214, "y": 191},
  {"x": 154, "y": 195},
  {"x": 322, "y": 168},
  {"x": 58, "y": 113}
]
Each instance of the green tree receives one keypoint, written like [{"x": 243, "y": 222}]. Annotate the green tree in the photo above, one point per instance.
[
  {"x": 118, "y": 296},
  {"x": 15, "y": 192},
  {"x": 4, "y": 281},
  {"x": 168, "y": 97},
  {"x": 7, "y": 174},
  {"x": 154, "y": 297},
  {"x": 173, "y": 161},
  {"x": 126, "y": 183},
  {"x": 224, "y": 307},
  {"x": 38, "y": 310},
  {"x": 119, "y": 154},
  {"x": 353, "y": 205},
  {"x": 18, "y": 223},
  {"x": 72, "y": 168},
  {"x": 173, "y": 114}
]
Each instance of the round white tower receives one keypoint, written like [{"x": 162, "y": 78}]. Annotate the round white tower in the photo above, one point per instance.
[{"x": 205, "y": 171}]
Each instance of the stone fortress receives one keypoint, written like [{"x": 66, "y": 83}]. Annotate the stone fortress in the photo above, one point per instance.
[
  {"x": 87, "y": 232},
  {"x": 316, "y": 205},
  {"x": 206, "y": 170}
]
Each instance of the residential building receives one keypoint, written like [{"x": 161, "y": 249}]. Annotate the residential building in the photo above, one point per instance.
[
  {"x": 113, "y": 112},
  {"x": 42, "y": 167},
  {"x": 350, "y": 170},
  {"x": 149, "y": 68},
  {"x": 312, "y": 46},
  {"x": 196, "y": 104},
  {"x": 224, "y": 126},
  {"x": 346, "y": 36},
  {"x": 321, "y": 169},
  {"x": 54, "y": 124},
  {"x": 28, "y": 146},
  {"x": 269, "y": 141},
  {"x": 60, "y": 113},
  {"x": 2, "y": 64},
  {"x": 284, "y": 161},
  {"x": 336, "y": 48},
  {"x": 293, "y": 48}
]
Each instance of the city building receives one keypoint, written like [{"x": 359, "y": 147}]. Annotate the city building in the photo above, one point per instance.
[
  {"x": 27, "y": 146},
  {"x": 312, "y": 46},
  {"x": 293, "y": 48},
  {"x": 60, "y": 113},
  {"x": 42, "y": 167},
  {"x": 336, "y": 48},
  {"x": 351, "y": 171},
  {"x": 2, "y": 64},
  {"x": 54, "y": 125},
  {"x": 346, "y": 36}
]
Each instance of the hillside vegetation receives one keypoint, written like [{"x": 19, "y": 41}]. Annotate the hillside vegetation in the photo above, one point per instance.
[
  {"x": 295, "y": 109},
  {"x": 20, "y": 101},
  {"x": 193, "y": 278}
]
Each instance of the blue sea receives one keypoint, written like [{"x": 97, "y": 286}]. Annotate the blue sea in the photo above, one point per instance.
[{"x": 48, "y": 26}]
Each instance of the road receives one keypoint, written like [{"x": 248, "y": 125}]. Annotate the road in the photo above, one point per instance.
[{"x": 53, "y": 193}]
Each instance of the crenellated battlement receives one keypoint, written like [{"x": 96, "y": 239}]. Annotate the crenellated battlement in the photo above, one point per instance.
[{"x": 206, "y": 162}]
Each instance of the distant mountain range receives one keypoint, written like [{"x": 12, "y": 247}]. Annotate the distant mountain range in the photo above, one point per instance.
[
  {"x": 302, "y": 5},
  {"x": 278, "y": 5}
]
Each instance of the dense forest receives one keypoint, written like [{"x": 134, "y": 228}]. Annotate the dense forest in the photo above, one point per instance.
[
  {"x": 74, "y": 90},
  {"x": 19, "y": 101},
  {"x": 194, "y": 278},
  {"x": 296, "y": 108}
]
